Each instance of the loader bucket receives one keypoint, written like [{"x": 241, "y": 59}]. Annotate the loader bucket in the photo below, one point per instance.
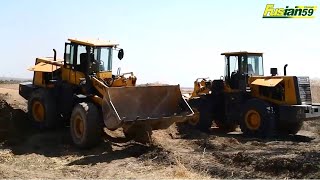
[{"x": 156, "y": 106}]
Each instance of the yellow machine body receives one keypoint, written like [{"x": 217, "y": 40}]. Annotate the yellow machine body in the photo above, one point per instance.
[
  {"x": 266, "y": 87},
  {"x": 120, "y": 101},
  {"x": 260, "y": 104},
  {"x": 201, "y": 86}
]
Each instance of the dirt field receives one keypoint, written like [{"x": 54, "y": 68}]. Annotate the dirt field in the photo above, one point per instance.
[{"x": 178, "y": 152}]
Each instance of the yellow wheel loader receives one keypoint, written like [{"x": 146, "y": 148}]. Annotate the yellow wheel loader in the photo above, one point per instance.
[
  {"x": 261, "y": 105},
  {"x": 81, "y": 91}
]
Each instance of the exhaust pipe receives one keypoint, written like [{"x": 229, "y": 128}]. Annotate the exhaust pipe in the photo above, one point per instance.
[
  {"x": 54, "y": 55},
  {"x": 285, "y": 69}
]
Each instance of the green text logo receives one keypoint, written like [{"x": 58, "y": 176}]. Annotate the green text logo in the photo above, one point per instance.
[{"x": 287, "y": 12}]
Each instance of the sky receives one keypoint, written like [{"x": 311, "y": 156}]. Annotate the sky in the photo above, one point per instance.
[{"x": 168, "y": 41}]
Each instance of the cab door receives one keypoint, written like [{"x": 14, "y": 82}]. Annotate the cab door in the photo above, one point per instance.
[{"x": 69, "y": 71}]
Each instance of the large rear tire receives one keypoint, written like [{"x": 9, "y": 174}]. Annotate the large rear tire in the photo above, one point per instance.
[
  {"x": 85, "y": 127},
  {"x": 257, "y": 118},
  {"x": 42, "y": 109},
  {"x": 291, "y": 128}
]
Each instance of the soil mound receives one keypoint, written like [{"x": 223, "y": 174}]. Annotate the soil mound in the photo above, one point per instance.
[{"x": 12, "y": 120}]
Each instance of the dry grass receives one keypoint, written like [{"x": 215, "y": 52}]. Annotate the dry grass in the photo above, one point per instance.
[
  {"x": 312, "y": 126},
  {"x": 181, "y": 172}
]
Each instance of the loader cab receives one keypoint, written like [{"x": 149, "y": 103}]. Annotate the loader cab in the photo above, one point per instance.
[
  {"x": 88, "y": 57},
  {"x": 239, "y": 66}
]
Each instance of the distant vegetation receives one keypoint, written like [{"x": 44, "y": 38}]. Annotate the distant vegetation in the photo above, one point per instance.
[
  {"x": 9, "y": 80},
  {"x": 157, "y": 83}
]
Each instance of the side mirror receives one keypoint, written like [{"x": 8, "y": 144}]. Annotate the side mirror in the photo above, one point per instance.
[{"x": 120, "y": 54}]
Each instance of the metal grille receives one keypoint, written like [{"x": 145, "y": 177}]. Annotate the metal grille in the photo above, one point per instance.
[{"x": 304, "y": 90}]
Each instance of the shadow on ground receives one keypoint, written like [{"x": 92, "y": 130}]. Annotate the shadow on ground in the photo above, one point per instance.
[{"x": 187, "y": 131}]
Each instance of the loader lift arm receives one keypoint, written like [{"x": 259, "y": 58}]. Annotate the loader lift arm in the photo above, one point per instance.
[{"x": 89, "y": 97}]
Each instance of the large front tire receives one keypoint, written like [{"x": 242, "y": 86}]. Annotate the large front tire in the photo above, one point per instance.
[
  {"x": 85, "y": 127},
  {"x": 257, "y": 119}
]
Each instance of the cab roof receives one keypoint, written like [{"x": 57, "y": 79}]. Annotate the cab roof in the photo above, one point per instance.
[
  {"x": 241, "y": 53},
  {"x": 93, "y": 42}
]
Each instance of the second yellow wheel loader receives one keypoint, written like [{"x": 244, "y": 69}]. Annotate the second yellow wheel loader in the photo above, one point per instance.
[
  {"x": 261, "y": 105},
  {"x": 82, "y": 91}
]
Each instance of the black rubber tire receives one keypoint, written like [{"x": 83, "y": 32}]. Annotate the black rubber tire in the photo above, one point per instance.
[
  {"x": 47, "y": 99},
  {"x": 206, "y": 115},
  {"x": 211, "y": 110},
  {"x": 226, "y": 127},
  {"x": 294, "y": 128},
  {"x": 219, "y": 115},
  {"x": 267, "y": 116},
  {"x": 291, "y": 128},
  {"x": 92, "y": 132}
]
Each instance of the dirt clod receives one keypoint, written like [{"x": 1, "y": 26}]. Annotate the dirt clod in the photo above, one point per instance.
[{"x": 159, "y": 155}]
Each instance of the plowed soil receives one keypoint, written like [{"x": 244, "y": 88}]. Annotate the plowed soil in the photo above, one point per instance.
[{"x": 177, "y": 152}]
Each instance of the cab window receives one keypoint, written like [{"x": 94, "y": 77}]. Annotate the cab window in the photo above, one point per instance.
[{"x": 255, "y": 65}]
